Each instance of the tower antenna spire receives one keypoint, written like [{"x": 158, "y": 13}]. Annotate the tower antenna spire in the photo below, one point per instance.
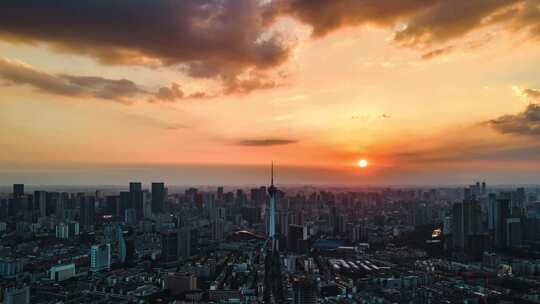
[{"x": 272, "y": 174}]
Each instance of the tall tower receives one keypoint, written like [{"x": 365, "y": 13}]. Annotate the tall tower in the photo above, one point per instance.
[{"x": 272, "y": 190}]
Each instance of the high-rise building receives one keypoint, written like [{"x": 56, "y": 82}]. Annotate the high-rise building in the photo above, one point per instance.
[
  {"x": 18, "y": 190},
  {"x": 40, "y": 202},
  {"x": 514, "y": 232},
  {"x": 184, "y": 242},
  {"x": 466, "y": 220},
  {"x": 125, "y": 202},
  {"x": 218, "y": 229},
  {"x": 100, "y": 257},
  {"x": 136, "y": 196},
  {"x": 492, "y": 211},
  {"x": 130, "y": 216},
  {"x": 169, "y": 245},
  {"x": 220, "y": 194},
  {"x": 502, "y": 213},
  {"x": 112, "y": 205},
  {"x": 62, "y": 231},
  {"x": 158, "y": 197},
  {"x": 305, "y": 291},
  {"x": 17, "y": 295},
  {"x": 126, "y": 245},
  {"x": 295, "y": 239},
  {"x": 359, "y": 233},
  {"x": 87, "y": 209}
]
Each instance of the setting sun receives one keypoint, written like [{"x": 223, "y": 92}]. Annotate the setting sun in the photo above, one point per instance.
[{"x": 362, "y": 163}]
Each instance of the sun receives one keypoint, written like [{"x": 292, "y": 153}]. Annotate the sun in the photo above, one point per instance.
[{"x": 363, "y": 163}]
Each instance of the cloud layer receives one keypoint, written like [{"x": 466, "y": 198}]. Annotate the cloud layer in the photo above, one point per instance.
[
  {"x": 416, "y": 22},
  {"x": 209, "y": 37},
  {"x": 266, "y": 142},
  {"x": 14, "y": 72},
  {"x": 224, "y": 39},
  {"x": 524, "y": 123}
]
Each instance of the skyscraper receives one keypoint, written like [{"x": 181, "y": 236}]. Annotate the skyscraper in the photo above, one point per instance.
[
  {"x": 136, "y": 198},
  {"x": 87, "y": 210},
  {"x": 18, "y": 190},
  {"x": 40, "y": 202},
  {"x": 184, "y": 242},
  {"x": 158, "y": 197},
  {"x": 502, "y": 214},
  {"x": 126, "y": 245},
  {"x": 466, "y": 221},
  {"x": 169, "y": 245}
]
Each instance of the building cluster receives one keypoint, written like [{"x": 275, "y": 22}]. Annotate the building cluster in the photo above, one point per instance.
[{"x": 267, "y": 245}]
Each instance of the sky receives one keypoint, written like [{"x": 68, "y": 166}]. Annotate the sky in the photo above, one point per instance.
[{"x": 212, "y": 91}]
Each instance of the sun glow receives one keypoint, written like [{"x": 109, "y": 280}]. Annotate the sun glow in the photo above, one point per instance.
[{"x": 363, "y": 163}]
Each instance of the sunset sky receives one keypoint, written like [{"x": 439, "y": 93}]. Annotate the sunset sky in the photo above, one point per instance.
[{"x": 210, "y": 91}]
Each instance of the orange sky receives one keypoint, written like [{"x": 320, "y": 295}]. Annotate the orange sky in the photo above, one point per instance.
[{"x": 423, "y": 95}]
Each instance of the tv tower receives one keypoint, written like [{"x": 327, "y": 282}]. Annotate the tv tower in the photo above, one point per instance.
[{"x": 272, "y": 190}]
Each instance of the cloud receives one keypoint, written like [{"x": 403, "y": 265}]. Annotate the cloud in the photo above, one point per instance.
[
  {"x": 415, "y": 22},
  {"x": 532, "y": 94},
  {"x": 328, "y": 16},
  {"x": 437, "y": 52},
  {"x": 120, "y": 90},
  {"x": 450, "y": 19},
  {"x": 524, "y": 123},
  {"x": 153, "y": 122},
  {"x": 243, "y": 86},
  {"x": 266, "y": 142},
  {"x": 209, "y": 37}
]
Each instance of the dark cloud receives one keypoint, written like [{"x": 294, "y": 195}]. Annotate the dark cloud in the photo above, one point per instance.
[
  {"x": 426, "y": 22},
  {"x": 170, "y": 94},
  {"x": 327, "y": 16},
  {"x": 437, "y": 52},
  {"x": 229, "y": 35},
  {"x": 448, "y": 20},
  {"x": 120, "y": 90},
  {"x": 266, "y": 142},
  {"x": 524, "y": 123}
]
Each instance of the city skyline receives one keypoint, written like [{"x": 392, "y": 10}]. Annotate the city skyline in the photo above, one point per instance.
[{"x": 426, "y": 97}]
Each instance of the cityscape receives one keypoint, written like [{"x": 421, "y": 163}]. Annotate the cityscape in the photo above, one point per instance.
[
  {"x": 478, "y": 244},
  {"x": 270, "y": 151}
]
